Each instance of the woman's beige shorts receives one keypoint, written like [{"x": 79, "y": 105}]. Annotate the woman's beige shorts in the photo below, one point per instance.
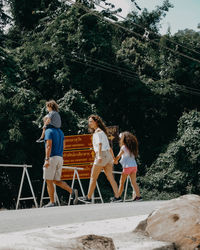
[
  {"x": 54, "y": 171},
  {"x": 106, "y": 158}
]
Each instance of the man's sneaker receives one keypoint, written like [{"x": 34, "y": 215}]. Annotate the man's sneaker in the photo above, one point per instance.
[
  {"x": 114, "y": 199},
  {"x": 50, "y": 204},
  {"x": 137, "y": 198},
  {"x": 75, "y": 196},
  {"x": 40, "y": 140},
  {"x": 85, "y": 200}
]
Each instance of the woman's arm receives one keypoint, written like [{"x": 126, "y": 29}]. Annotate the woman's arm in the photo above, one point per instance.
[
  {"x": 99, "y": 157},
  {"x": 100, "y": 151},
  {"x": 111, "y": 151}
]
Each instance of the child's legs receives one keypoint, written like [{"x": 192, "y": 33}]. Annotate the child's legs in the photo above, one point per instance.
[
  {"x": 43, "y": 133},
  {"x": 121, "y": 185},
  {"x": 44, "y": 128},
  {"x": 134, "y": 183}
]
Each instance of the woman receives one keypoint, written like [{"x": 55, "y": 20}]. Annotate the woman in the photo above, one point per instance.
[{"x": 103, "y": 158}]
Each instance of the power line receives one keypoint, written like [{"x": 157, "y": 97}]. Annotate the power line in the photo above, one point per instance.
[
  {"x": 112, "y": 66},
  {"x": 151, "y": 32},
  {"x": 189, "y": 88},
  {"x": 124, "y": 28},
  {"x": 182, "y": 88},
  {"x": 121, "y": 73},
  {"x": 103, "y": 68},
  {"x": 185, "y": 89},
  {"x": 92, "y": 12}
]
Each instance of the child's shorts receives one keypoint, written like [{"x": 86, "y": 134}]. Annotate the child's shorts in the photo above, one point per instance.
[{"x": 130, "y": 170}]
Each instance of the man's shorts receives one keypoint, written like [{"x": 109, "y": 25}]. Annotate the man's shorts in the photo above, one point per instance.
[
  {"x": 106, "y": 158},
  {"x": 54, "y": 171}
]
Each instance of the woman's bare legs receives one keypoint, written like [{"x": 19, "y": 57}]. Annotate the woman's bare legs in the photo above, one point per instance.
[
  {"x": 96, "y": 170},
  {"x": 108, "y": 172}
]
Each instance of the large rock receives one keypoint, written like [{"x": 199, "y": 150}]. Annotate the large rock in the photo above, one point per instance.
[
  {"x": 90, "y": 242},
  {"x": 176, "y": 221}
]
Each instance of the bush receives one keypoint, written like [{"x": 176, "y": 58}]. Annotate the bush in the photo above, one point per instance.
[{"x": 177, "y": 170}]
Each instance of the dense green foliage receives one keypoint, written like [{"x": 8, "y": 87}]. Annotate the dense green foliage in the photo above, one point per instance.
[
  {"x": 72, "y": 54},
  {"x": 176, "y": 170}
]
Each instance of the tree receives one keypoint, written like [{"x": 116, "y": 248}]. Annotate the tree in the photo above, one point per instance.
[
  {"x": 149, "y": 20},
  {"x": 17, "y": 107},
  {"x": 176, "y": 170},
  {"x": 4, "y": 20},
  {"x": 27, "y": 13}
]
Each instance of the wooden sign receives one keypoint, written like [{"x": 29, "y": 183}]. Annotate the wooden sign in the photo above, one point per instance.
[
  {"x": 67, "y": 174},
  {"x": 78, "y": 153},
  {"x": 77, "y": 142},
  {"x": 75, "y": 157},
  {"x": 113, "y": 133}
]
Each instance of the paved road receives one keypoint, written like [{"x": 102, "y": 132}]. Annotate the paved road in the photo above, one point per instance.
[{"x": 25, "y": 219}]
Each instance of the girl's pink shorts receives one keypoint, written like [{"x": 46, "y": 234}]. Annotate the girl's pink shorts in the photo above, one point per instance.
[{"x": 130, "y": 170}]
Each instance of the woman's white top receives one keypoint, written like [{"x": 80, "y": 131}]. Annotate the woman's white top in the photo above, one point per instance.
[{"x": 100, "y": 137}]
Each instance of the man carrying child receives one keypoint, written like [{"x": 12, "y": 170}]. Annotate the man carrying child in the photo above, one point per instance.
[{"x": 52, "y": 168}]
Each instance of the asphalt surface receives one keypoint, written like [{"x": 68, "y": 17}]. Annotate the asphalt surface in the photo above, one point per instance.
[{"x": 26, "y": 219}]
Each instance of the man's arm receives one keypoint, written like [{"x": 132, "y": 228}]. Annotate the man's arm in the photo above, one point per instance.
[{"x": 47, "y": 152}]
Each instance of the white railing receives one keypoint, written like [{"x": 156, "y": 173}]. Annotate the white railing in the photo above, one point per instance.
[{"x": 25, "y": 172}]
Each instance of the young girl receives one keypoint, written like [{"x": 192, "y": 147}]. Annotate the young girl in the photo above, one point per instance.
[
  {"x": 52, "y": 119},
  {"x": 128, "y": 152}
]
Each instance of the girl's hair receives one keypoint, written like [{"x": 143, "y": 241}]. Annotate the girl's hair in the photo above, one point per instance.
[
  {"x": 52, "y": 104},
  {"x": 130, "y": 141},
  {"x": 99, "y": 122}
]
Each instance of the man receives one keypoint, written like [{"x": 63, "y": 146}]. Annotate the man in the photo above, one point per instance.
[{"x": 54, "y": 138}]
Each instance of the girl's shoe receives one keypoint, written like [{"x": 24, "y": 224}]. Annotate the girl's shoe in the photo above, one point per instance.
[
  {"x": 85, "y": 200},
  {"x": 50, "y": 204},
  {"x": 137, "y": 198},
  {"x": 40, "y": 140},
  {"x": 114, "y": 199}
]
